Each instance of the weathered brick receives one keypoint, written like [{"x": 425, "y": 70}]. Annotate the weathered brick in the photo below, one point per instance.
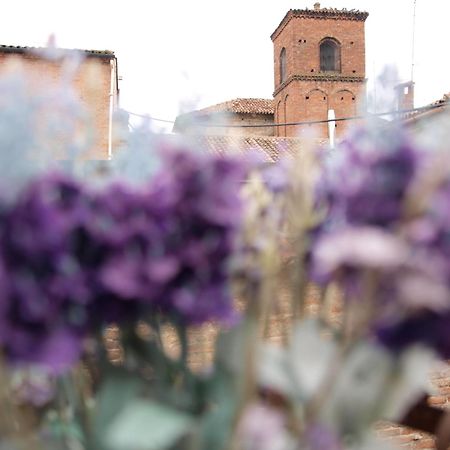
[
  {"x": 92, "y": 87},
  {"x": 307, "y": 93}
]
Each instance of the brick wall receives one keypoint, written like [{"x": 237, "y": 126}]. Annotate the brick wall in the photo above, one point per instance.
[
  {"x": 405, "y": 96},
  {"x": 307, "y": 93},
  {"x": 92, "y": 85},
  {"x": 236, "y": 120},
  {"x": 411, "y": 439},
  {"x": 310, "y": 101}
]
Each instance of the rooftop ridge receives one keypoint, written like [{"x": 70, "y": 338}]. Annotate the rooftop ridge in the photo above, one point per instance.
[
  {"x": 235, "y": 106},
  {"x": 247, "y": 137},
  {"x": 238, "y": 105},
  {"x": 243, "y": 105},
  {"x": 270, "y": 148},
  {"x": 321, "y": 13},
  {"x": 412, "y": 116}
]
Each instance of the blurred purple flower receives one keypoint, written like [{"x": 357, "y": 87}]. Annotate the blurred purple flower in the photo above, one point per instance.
[
  {"x": 321, "y": 437},
  {"x": 33, "y": 387},
  {"x": 366, "y": 180},
  {"x": 358, "y": 248},
  {"x": 364, "y": 186},
  {"x": 362, "y": 196},
  {"x": 427, "y": 292},
  {"x": 73, "y": 259},
  {"x": 42, "y": 298},
  {"x": 276, "y": 175},
  {"x": 263, "y": 428},
  {"x": 166, "y": 247},
  {"x": 425, "y": 327}
]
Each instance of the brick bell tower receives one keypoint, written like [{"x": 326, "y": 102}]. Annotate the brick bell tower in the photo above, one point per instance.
[{"x": 319, "y": 58}]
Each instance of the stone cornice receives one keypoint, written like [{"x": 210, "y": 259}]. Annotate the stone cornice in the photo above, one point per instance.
[
  {"x": 324, "y": 13},
  {"x": 319, "y": 77}
]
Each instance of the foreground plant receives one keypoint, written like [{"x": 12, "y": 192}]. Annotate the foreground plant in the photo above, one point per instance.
[{"x": 127, "y": 267}]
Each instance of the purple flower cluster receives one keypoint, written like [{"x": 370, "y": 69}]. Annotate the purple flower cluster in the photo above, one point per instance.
[
  {"x": 429, "y": 236},
  {"x": 44, "y": 294},
  {"x": 364, "y": 197},
  {"x": 172, "y": 250},
  {"x": 73, "y": 259},
  {"x": 363, "y": 190},
  {"x": 426, "y": 327},
  {"x": 366, "y": 180}
]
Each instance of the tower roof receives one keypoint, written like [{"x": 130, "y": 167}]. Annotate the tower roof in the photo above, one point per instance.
[{"x": 320, "y": 13}]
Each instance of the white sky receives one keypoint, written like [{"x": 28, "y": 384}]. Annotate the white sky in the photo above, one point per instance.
[{"x": 185, "y": 54}]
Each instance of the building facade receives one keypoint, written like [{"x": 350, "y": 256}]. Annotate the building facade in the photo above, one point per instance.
[
  {"x": 319, "y": 66},
  {"x": 93, "y": 79},
  {"x": 319, "y": 73},
  {"x": 238, "y": 117}
]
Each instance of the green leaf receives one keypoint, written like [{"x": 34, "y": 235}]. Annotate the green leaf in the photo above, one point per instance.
[
  {"x": 118, "y": 389},
  {"x": 217, "y": 421},
  {"x": 146, "y": 425},
  {"x": 310, "y": 356},
  {"x": 273, "y": 370},
  {"x": 359, "y": 389},
  {"x": 59, "y": 429},
  {"x": 216, "y": 426},
  {"x": 231, "y": 347}
]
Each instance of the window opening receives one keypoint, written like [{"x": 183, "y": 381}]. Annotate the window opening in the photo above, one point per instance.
[
  {"x": 330, "y": 56},
  {"x": 282, "y": 65}
]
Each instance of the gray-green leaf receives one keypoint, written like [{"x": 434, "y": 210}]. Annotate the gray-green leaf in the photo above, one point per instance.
[{"x": 146, "y": 425}]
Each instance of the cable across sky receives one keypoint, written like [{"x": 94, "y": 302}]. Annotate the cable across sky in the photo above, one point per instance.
[{"x": 396, "y": 113}]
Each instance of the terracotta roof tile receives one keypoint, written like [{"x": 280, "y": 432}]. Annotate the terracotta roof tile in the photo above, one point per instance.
[
  {"x": 241, "y": 105},
  {"x": 410, "y": 118},
  {"x": 321, "y": 13},
  {"x": 236, "y": 106},
  {"x": 270, "y": 148},
  {"x": 334, "y": 12}
]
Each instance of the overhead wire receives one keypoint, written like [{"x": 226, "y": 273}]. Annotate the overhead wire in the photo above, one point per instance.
[
  {"x": 147, "y": 116},
  {"x": 396, "y": 113}
]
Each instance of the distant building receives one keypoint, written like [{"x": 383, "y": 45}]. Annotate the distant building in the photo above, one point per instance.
[
  {"x": 234, "y": 117},
  {"x": 427, "y": 118},
  {"x": 95, "y": 83},
  {"x": 319, "y": 67}
]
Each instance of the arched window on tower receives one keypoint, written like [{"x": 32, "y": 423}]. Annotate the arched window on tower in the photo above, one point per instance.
[
  {"x": 330, "y": 56},
  {"x": 282, "y": 65}
]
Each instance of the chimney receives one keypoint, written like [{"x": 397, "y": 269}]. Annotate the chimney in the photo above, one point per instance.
[
  {"x": 405, "y": 95},
  {"x": 317, "y": 6}
]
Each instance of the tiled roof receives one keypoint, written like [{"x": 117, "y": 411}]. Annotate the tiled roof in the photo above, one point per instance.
[
  {"x": 331, "y": 12},
  {"x": 271, "y": 149},
  {"x": 31, "y": 50},
  {"x": 445, "y": 99},
  {"x": 236, "y": 106},
  {"x": 432, "y": 108},
  {"x": 321, "y": 13},
  {"x": 241, "y": 105}
]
